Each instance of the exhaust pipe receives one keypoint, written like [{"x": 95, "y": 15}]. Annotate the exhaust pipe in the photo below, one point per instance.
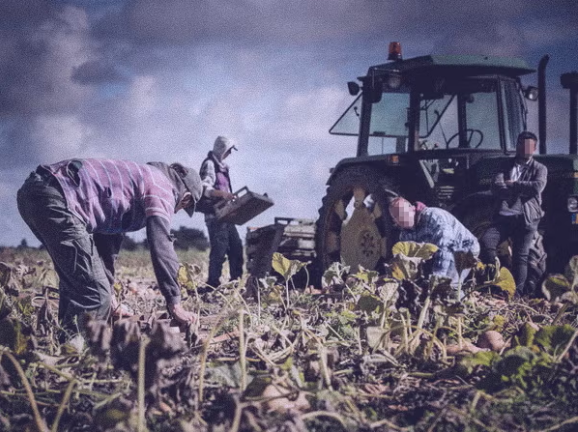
[
  {"x": 570, "y": 81},
  {"x": 542, "y": 103}
]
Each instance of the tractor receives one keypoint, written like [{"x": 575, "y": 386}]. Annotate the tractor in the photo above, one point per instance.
[{"x": 435, "y": 129}]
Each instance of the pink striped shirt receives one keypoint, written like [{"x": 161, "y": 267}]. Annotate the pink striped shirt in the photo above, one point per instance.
[{"x": 114, "y": 196}]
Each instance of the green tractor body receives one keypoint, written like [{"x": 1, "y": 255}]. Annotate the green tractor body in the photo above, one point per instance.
[{"x": 436, "y": 129}]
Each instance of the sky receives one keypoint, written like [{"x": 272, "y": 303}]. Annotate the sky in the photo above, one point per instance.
[{"x": 151, "y": 80}]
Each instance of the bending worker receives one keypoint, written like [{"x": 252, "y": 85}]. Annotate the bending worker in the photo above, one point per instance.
[{"x": 79, "y": 209}]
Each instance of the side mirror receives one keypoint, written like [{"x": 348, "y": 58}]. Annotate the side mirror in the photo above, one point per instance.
[
  {"x": 353, "y": 88},
  {"x": 531, "y": 93}
]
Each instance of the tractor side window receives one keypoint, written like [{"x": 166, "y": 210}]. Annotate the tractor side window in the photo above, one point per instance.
[
  {"x": 514, "y": 117},
  {"x": 388, "y": 131},
  {"x": 348, "y": 123},
  {"x": 482, "y": 121}
]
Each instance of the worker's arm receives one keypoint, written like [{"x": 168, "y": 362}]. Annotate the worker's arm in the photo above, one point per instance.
[
  {"x": 440, "y": 229},
  {"x": 532, "y": 187},
  {"x": 499, "y": 188},
  {"x": 166, "y": 266}
]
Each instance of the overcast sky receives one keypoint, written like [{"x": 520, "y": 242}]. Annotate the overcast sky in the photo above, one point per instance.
[{"x": 152, "y": 80}]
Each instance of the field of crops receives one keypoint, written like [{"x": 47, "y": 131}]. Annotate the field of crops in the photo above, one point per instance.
[{"x": 360, "y": 352}]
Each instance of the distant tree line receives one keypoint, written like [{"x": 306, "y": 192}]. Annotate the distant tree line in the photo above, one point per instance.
[{"x": 185, "y": 239}]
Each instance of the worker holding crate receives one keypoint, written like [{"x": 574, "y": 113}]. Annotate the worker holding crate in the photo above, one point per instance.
[{"x": 223, "y": 236}]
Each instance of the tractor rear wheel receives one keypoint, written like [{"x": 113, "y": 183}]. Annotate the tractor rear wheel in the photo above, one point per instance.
[{"x": 354, "y": 226}]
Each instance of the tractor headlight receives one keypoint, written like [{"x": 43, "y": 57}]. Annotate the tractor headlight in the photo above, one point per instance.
[{"x": 572, "y": 204}]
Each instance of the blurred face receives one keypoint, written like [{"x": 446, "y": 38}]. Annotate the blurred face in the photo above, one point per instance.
[
  {"x": 403, "y": 214},
  {"x": 185, "y": 202},
  {"x": 525, "y": 148}
]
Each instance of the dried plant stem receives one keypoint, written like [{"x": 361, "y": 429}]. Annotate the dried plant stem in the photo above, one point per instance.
[
  {"x": 205, "y": 352},
  {"x": 314, "y": 414},
  {"x": 460, "y": 337},
  {"x": 56, "y": 371},
  {"x": 429, "y": 348},
  {"x": 237, "y": 419},
  {"x": 389, "y": 424},
  {"x": 561, "y": 425},
  {"x": 405, "y": 340},
  {"x": 258, "y": 288},
  {"x": 141, "y": 385},
  {"x": 563, "y": 353},
  {"x": 423, "y": 312},
  {"x": 107, "y": 401},
  {"x": 63, "y": 404},
  {"x": 40, "y": 424},
  {"x": 287, "y": 294},
  {"x": 322, "y": 352},
  {"x": 473, "y": 420},
  {"x": 242, "y": 351},
  {"x": 560, "y": 313}
]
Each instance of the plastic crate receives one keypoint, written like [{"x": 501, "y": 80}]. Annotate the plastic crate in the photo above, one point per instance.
[{"x": 243, "y": 208}]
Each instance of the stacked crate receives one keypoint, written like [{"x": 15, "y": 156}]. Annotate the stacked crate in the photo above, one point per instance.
[{"x": 294, "y": 238}]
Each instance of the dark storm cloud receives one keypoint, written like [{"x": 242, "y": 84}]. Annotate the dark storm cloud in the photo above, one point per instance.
[
  {"x": 17, "y": 14},
  {"x": 243, "y": 21},
  {"x": 97, "y": 72},
  {"x": 251, "y": 22},
  {"x": 37, "y": 54}
]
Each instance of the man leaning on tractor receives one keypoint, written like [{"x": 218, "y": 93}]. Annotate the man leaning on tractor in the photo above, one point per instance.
[{"x": 518, "y": 186}]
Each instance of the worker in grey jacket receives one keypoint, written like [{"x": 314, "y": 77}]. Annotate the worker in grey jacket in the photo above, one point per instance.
[
  {"x": 223, "y": 236},
  {"x": 518, "y": 186}
]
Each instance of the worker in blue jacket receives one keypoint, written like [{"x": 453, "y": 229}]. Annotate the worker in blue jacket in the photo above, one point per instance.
[{"x": 422, "y": 224}]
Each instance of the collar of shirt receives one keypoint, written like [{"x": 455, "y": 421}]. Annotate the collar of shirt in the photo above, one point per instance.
[{"x": 518, "y": 169}]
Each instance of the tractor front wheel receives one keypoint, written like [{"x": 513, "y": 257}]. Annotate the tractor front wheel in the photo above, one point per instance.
[{"x": 354, "y": 225}]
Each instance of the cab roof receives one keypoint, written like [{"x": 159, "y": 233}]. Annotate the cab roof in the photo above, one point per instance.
[{"x": 456, "y": 65}]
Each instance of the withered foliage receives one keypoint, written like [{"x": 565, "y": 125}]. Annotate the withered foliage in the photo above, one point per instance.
[{"x": 397, "y": 351}]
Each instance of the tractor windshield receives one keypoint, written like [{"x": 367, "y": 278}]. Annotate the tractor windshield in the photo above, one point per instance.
[{"x": 458, "y": 113}]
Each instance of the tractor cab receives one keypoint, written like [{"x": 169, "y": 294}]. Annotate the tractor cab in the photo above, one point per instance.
[
  {"x": 437, "y": 103},
  {"x": 438, "y": 115}
]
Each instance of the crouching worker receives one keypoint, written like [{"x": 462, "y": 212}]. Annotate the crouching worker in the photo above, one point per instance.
[
  {"x": 423, "y": 224},
  {"x": 80, "y": 209}
]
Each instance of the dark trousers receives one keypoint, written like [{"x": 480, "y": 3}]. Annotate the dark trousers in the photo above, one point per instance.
[
  {"x": 85, "y": 277},
  {"x": 225, "y": 241},
  {"x": 522, "y": 235}
]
